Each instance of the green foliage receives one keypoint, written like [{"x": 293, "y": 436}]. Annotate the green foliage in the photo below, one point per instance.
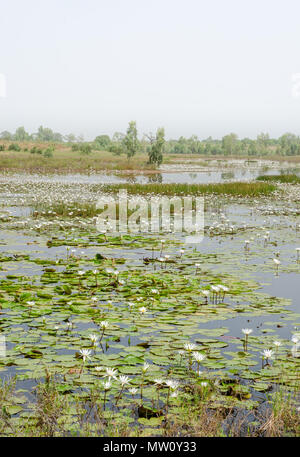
[
  {"x": 155, "y": 152},
  {"x": 103, "y": 141},
  {"x": 46, "y": 134},
  {"x": 82, "y": 148},
  {"x": 14, "y": 147},
  {"x": 131, "y": 142},
  {"x": 48, "y": 152},
  {"x": 288, "y": 178},
  {"x": 239, "y": 189},
  {"x": 35, "y": 150},
  {"x": 2, "y": 147}
]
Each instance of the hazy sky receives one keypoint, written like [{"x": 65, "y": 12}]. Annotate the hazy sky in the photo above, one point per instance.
[{"x": 192, "y": 66}]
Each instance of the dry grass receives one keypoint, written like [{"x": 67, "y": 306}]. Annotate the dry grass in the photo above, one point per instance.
[{"x": 65, "y": 160}]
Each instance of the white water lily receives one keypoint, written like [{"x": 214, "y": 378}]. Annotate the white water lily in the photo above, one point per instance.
[
  {"x": 143, "y": 310},
  {"x": 173, "y": 385},
  {"x": 277, "y": 343},
  {"x": 198, "y": 356},
  {"x": 85, "y": 354},
  {"x": 106, "y": 385},
  {"x": 103, "y": 324},
  {"x": 111, "y": 373},
  {"x": 268, "y": 353},
  {"x": 94, "y": 338},
  {"x": 124, "y": 380},
  {"x": 133, "y": 390},
  {"x": 247, "y": 331},
  {"x": 190, "y": 347},
  {"x": 295, "y": 339},
  {"x": 145, "y": 367}
]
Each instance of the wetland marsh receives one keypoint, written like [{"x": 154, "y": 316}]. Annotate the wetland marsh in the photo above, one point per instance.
[{"x": 142, "y": 334}]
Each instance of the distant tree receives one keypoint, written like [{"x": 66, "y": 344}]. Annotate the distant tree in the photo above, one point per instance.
[
  {"x": 131, "y": 141},
  {"x": 156, "y": 149},
  {"x": 103, "y": 141},
  {"x": 21, "y": 134},
  {"x": 71, "y": 138},
  {"x": 229, "y": 143},
  {"x": 5, "y": 135},
  {"x": 118, "y": 137},
  {"x": 289, "y": 144},
  {"x": 58, "y": 137},
  {"x": 252, "y": 149}
]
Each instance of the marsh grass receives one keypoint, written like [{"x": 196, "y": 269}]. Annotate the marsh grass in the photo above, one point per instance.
[
  {"x": 54, "y": 414},
  {"x": 286, "y": 178},
  {"x": 89, "y": 209},
  {"x": 283, "y": 419},
  {"x": 242, "y": 189}
]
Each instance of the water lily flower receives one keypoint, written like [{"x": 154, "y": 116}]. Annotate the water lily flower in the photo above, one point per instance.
[
  {"x": 198, "y": 356},
  {"x": 145, "y": 367},
  {"x": 107, "y": 385},
  {"x": 247, "y": 331},
  {"x": 94, "y": 338},
  {"x": 103, "y": 324},
  {"x": 124, "y": 380},
  {"x": 111, "y": 373},
  {"x": 268, "y": 353},
  {"x": 143, "y": 310},
  {"x": 173, "y": 385},
  {"x": 133, "y": 391},
  {"x": 190, "y": 347},
  {"x": 85, "y": 354}
]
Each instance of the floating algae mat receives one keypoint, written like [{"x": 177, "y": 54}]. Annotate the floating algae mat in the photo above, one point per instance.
[{"x": 141, "y": 326}]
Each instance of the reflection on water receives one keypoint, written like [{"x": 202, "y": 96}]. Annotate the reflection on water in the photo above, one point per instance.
[{"x": 204, "y": 176}]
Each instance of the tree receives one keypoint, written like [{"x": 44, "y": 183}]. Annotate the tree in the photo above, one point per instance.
[
  {"x": 21, "y": 134},
  {"x": 71, "y": 138},
  {"x": 6, "y": 135},
  {"x": 156, "y": 149},
  {"x": 131, "y": 141},
  {"x": 103, "y": 141},
  {"x": 229, "y": 143}
]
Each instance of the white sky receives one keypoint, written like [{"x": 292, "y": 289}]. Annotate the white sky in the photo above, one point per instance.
[{"x": 192, "y": 66}]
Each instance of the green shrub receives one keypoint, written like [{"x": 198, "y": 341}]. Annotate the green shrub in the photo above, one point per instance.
[
  {"x": 14, "y": 147},
  {"x": 48, "y": 153}
]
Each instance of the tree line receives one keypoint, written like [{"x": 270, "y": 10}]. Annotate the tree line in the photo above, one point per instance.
[{"x": 155, "y": 145}]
